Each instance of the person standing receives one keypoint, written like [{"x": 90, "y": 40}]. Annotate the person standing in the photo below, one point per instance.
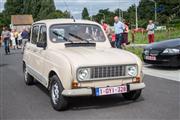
[
  {"x": 13, "y": 39},
  {"x": 150, "y": 29},
  {"x": 119, "y": 29},
  {"x": 104, "y": 25},
  {"x": 107, "y": 29},
  {"x": 125, "y": 35},
  {"x": 16, "y": 37},
  {"x": 25, "y": 37},
  {"x": 113, "y": 38},
  {"x": 6, "y": 39},
  {"x": 20, "y": 39}
]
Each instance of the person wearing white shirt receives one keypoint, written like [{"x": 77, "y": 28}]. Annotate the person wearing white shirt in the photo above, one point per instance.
[
  {"x": 119, "y": 30},
  {"x": 13, "y": 39},
  {"x": 150, "y": 29},
  {"x": 20, "y": 39}
]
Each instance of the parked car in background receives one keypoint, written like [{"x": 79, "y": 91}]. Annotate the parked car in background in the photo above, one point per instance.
[
  {"x": 74, "y": 58},
  {"x": 160, "y": 28},
  {"x": 165, "y": 53}
]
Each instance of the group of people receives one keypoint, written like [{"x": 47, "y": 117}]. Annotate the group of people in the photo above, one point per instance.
[
  {"x": 119, "y": 36},
  {"x": 14, "y": 39}
]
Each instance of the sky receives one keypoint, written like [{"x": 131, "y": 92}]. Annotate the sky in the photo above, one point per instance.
[{"x": 93, "y": 6}]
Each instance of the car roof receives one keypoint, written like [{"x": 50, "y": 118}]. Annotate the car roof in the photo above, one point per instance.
[{"x": 64, "y": 21}]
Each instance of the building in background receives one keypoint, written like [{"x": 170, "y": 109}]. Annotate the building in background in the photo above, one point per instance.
[{"x": 20, "y": 22}]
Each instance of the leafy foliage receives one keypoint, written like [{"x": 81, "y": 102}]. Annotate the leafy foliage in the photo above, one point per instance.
[
  {"x": 85, "y": 14},
  {"x": 167, "y": 12},
  {"x": 40, "y": 9},
  {"x": 106, "y": 15}
]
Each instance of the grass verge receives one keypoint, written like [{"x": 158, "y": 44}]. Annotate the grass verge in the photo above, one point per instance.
[
  {"x": 136, "y": 50},
  {"x": 141, "y": 38}
]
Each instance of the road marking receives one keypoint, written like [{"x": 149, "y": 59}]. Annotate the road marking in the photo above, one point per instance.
[{"x": 167, "y": 73}]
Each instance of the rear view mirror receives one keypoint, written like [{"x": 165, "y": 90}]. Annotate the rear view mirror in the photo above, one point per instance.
[{"x": 42, "y": 44}]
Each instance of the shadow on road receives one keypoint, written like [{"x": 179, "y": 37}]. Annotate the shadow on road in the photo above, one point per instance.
[
  {"x": 3, "y": 65},
  {"x": 42, "y": 88},
  {"x": 84, "y": 103}
]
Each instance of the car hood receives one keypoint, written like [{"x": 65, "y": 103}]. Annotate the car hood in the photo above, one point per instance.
[
  {"x": 81, "y": 56},
  {"x": 164, "y": 44}
]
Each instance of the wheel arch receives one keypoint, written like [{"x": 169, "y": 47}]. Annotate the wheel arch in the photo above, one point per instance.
[{"x": 52, "y": 73}]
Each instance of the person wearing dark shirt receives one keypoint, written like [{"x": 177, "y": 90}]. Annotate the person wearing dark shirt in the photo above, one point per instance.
[
  {"x": 25, "y": 34},
  {"x": 25, "y": 37}
]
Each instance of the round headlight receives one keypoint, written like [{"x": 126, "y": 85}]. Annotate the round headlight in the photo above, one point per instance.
[
  {"x": 83, "y": 74},
  {"x": 132, "y": 70}
]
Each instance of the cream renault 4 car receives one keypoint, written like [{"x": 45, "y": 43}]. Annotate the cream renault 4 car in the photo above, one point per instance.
[{"x": 74, "y": 58}]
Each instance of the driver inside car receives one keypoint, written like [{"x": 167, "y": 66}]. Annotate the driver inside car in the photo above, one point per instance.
[{"x": 80, "y": 34}]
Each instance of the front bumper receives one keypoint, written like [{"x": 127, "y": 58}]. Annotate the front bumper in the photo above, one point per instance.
[{"x": 91, "y": 91}]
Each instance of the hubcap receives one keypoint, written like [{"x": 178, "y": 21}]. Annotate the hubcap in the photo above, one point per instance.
[{"x": 55, "y": 93}]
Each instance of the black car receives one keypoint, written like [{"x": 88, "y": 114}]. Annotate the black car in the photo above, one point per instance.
[{"x": 165, "y": 53}]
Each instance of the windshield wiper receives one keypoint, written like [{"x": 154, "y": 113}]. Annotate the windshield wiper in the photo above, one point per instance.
[
  {"x": 75, "y": 36},
  {"x": 64, "y": 38}
]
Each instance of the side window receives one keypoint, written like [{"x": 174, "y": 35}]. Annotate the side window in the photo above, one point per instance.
[
  {"x": 43, "y": 34},
  {"x": 34, "y": 34}
]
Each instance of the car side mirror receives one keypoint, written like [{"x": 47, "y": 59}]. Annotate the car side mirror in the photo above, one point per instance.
[{"x": 42, "y": 44}]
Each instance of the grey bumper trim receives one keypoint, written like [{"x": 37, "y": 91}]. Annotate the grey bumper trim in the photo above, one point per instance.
[
  {"x": 89, "y": 92},
  {"x": 77, "y": 92}
]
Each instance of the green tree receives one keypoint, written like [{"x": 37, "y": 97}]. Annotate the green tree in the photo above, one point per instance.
[
  {"x": 106, "y": 15},
  {"x": 40, "y": 9},
  {"x": 85, "y": 14},
  {"x": 13, "y": 7},
  {"x": 46, "y": 8},
  {"x": 58, "y": 14}
]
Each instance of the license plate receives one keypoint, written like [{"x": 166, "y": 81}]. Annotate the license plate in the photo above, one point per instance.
[
  {"x": 150, "y": 57},
  {"x": 111, "y": 90}
]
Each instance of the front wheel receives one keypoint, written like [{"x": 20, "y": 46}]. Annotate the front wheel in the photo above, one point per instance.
[
  {"x": 132, "y": 95},
  {"x": 29, "y": 80},
  {"x": 58, "y": 101}
]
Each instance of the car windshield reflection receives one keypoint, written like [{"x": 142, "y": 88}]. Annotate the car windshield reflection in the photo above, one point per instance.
[{"x": 76, "y": 33}]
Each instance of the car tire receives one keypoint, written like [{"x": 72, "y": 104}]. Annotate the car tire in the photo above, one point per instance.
[
  {"x": 132, "y": 95},
  {"x": 58, "y": 101},
  {"x": 29, "y": 80}
]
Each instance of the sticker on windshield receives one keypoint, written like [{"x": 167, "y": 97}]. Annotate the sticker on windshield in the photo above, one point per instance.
[{"x": 60, "y": 33}]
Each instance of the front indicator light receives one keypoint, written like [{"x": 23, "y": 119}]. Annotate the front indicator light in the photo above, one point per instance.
[
  {"x": 74, "y": 84},
  {"x": 136, "y": 79}
]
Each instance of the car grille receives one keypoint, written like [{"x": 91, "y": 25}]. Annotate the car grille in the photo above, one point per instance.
[
  {"x": 154, "y": 52},
  {"x": 108, "y": 71}
]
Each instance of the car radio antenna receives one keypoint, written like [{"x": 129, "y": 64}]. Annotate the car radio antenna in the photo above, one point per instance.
[{"x": 67, "y": 7}]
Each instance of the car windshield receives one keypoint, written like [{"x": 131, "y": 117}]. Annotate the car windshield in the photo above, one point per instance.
[{"x": 76, "y": 33}]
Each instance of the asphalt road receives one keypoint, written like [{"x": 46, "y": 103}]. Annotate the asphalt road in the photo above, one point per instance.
[
  {"x": 160, "y": 99},
  {"x": 163, "y": 72}
]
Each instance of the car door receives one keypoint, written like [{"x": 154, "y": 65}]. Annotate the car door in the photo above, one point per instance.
[
  {"x": 30, "y": 48},
  {"x": 40, "y": 54}
]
